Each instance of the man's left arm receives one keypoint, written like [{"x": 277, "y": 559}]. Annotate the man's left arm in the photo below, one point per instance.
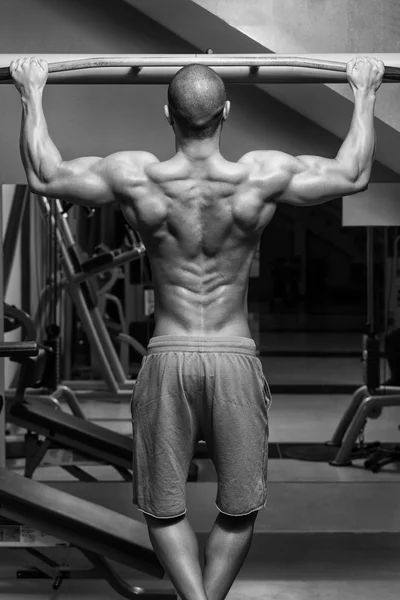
[{"x": 90, "y": 181}]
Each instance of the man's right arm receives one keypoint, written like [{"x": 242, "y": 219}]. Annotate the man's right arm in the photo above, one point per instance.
[
  {"x": 88, "y": 181},
  {"x": 310, "y": 180}
]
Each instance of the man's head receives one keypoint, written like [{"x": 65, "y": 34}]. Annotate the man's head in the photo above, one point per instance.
[{"x": 197, "y": 103}]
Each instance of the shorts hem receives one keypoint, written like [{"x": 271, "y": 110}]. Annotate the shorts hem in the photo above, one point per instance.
[
  {"x": 157, "y": 517},
  {"x": 264, "y": 505}
]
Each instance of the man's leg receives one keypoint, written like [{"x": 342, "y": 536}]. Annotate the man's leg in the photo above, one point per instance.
[
  {"x": 225, "y": 553},
  {"x": 175, "y": 544}
]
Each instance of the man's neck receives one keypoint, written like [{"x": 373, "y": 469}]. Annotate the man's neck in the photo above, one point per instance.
[{"x": 195, "y": 150}]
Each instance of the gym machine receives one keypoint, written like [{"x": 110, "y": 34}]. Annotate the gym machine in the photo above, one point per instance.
[{"x": 348, "y": 440}]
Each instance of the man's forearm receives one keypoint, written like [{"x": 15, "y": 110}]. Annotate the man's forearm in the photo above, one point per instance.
[
  {"x": 39, "y": 155},
  {"x": 358, "y": 149}
]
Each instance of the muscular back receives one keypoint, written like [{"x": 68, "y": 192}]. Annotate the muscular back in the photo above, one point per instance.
[{"x": 200, "y": 223}]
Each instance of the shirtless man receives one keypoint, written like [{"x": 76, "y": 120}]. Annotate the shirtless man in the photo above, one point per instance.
[{"x": 200, "y": 218}]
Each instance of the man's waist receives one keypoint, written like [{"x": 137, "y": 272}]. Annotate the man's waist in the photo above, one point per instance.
[{"x": 189, "y": 343}]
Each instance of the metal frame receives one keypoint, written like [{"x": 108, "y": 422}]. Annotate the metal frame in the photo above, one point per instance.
[
  {"x": 363, "y": 406},
  {"x": 367, "y": 401},
  {"x": 2, "y": 403},
  {"x": 233, "y": 68},
  {"x": 116, "y": 382}
]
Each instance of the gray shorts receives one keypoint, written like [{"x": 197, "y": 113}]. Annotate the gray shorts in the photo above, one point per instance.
[{"x": 190, "y": 389}]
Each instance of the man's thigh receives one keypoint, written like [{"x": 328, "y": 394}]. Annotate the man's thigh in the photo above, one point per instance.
[{"x": 236, "y": 431}]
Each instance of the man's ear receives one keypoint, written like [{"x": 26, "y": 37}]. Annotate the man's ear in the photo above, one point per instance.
[
  {"x": 227, "y": 109},
  {"x": 168, "y": 115}
]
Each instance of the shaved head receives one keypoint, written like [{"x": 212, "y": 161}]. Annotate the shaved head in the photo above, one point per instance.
[{"x": 196, "y": 98}]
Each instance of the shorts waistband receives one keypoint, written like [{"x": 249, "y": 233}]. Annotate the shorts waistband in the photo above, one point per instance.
[{"x": 187, "y": 343}]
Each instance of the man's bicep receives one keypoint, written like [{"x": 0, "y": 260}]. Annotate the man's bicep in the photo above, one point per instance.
[{"x": 315, "y": 180}]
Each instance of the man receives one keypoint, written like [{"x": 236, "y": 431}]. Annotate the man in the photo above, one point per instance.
[{"x": 200, "y": 217}]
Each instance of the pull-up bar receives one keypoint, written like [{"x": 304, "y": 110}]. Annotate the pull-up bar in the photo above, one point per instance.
[{"x": 233, "y": 68}]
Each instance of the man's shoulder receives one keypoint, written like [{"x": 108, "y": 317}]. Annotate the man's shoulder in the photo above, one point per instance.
[
  {"x": 265, "y": 158},
  {"x": 134, "y": 158}
]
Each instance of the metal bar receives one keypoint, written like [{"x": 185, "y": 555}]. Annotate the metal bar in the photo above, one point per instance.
[
  {"x": 370, "y": 280},
  {"x": 118, "y": 260},
  {"x": 18, "y": 350},
  {"x": 386, "y": 280},
  {"x": 366, "y": 408},
  {"x": 2, "y": 403},
  {"x": 42, "y": 563},
  {"x": 85, "y": 387},
  {"x": 348, "y": 416},
  {"x": 108, "y": 347},
  {"x": 233, "y": 68},
  {"x": 13, "y": 228},
  {"x": 68, "y": 395}
]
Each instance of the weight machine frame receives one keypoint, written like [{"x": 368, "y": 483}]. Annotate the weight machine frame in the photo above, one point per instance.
[
  {"x": 77, "y": 286},
  {"x": 368, "y": 400}
]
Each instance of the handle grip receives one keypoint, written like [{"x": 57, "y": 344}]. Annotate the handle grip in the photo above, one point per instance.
[{"x": 18, "y": 349}]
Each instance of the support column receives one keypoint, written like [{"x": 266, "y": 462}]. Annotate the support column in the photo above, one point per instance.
[{"x": 2, "y": 402}]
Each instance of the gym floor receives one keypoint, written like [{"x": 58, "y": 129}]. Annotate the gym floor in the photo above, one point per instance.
[{"x": 329, "y": 532}]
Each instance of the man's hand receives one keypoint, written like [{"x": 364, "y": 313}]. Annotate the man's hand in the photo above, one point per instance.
[
  {"x": 29, "y": 75},
  {"x": 365, "y": 74}
]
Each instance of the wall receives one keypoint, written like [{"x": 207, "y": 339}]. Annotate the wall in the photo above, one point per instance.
[
  {"x": 321, "y": 26},
  {"x": 317, "y": 25}
]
